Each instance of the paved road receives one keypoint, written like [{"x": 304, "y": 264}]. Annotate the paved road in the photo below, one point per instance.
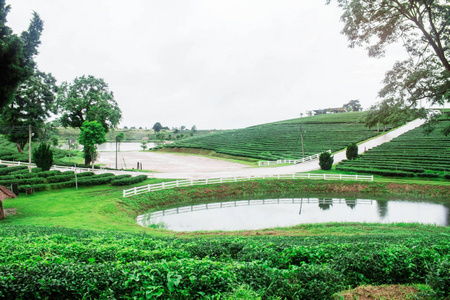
[{"x": 168, "y": 165}]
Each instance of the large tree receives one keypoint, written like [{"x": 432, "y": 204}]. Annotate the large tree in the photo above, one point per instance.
[
  {"x": 423, "y": 27},
  {"x": 16, "y": 54},
  {"x": 88, "y": 99},
  {"x": 33, "y": 103}
]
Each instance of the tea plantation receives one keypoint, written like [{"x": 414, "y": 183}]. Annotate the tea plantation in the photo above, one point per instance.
[
  {"x": 411, "y": 153},
  {"x": 282, "y": 140},
  {"x": 39, "y": 180},
  {"x": 57, "y": 263}
]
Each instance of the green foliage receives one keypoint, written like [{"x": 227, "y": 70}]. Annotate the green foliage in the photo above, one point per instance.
[
  {"x": 88, "y": 99},
  {"x": 91, "y": 134},
  {"x": 281, "y": 140},
  {"x": 413, "y": 152},
  {"x": 157, "y": 127},
  {"x": 127, "y": 181},
  {"x": 326, "y": 160},
  {"x": 16, "y": 54},
  {"x": 43, "y": 157},
  {"x": 352, "y": 151},
  {"x": 423, "y": 29},
  {"x": 32, "y": 105},
  {"x": 65, "y": 263}
]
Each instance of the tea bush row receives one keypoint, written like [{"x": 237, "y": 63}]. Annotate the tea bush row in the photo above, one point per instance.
[
  {"x": 413, "y": 151},
  {"x": 66, "y": 263},
  {"x": 55, "y": 179},
  {"x": 282, "y": 140}
]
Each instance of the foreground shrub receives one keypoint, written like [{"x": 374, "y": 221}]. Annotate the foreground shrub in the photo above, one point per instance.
[
  {"x": 43, "y": 157},
  {"x": 352, "y": 151},
  {"x": 325, "y": 161}
]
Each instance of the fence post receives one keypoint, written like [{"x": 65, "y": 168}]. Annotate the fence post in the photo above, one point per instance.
[
  {"x": 340, "y": 176},
  {"x": 356, "y": 177},
  {"x": 135, "y": 190},
  {"x": 162, "y": 184},
  {"x": 206, "y": 181},
  {"x": 324, "y": 176}
]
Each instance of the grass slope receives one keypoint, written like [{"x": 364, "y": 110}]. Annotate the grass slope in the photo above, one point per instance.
[{"x": 282, "y": 140}]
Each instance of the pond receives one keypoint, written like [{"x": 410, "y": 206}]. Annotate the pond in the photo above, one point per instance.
[{"x": 285, "y": 212}]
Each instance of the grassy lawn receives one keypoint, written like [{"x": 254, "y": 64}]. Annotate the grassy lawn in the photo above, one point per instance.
[{"x": 104, "y": 208}]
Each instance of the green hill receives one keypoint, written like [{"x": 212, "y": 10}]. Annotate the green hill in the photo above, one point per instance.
[
  {"x": 282, "y": 140},
  {"x": 412, "y": 152}
]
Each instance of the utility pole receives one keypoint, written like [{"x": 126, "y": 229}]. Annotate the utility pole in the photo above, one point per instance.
[
  {"x": 116, "y": 152},
  {"x": 29, "y": 148}
]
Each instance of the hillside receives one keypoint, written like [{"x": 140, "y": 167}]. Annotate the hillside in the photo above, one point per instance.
[
  {"x": 282, "y": 140},
  {"x": 412, "y": 152}
]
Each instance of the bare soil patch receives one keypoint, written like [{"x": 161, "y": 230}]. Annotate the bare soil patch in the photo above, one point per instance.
[{"x": 386, "y": 292}]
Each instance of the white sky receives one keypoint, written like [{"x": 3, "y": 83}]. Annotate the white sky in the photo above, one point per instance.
[{"x": 213, "y": 63}]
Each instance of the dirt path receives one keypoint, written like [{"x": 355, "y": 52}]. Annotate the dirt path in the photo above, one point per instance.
[{"x": 169, "y": 165}]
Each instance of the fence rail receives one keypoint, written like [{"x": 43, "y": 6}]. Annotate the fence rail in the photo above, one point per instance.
[
  {"x": 204, "y": 181},
  {"x": 70, "y": 168},
  {"x": 289, "y": 161}
]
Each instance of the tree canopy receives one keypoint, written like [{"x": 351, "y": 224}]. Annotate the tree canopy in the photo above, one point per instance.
[
  {"x": 88, "y": 99},
  {"x": 423, "y": 27},
  {"x": 92, "y": 133},
  {"x": 16, "y": 54},
  {"x": 32, "y": 105}
]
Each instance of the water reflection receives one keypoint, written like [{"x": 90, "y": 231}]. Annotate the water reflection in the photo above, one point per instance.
[{"x": 282, "y": 212}]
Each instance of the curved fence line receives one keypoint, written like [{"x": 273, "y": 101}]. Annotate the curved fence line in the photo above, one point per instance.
[
  {"x": 190, "y": 182},
  {"x": 289, "y": 161}
]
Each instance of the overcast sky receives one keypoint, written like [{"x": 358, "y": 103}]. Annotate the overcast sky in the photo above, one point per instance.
[{"x": 212, "y": 63}]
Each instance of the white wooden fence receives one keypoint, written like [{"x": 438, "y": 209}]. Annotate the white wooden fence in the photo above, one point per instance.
[
  {"x": 73, "y": 168},
  {"x": 190, "y": 182},
  {"x": 289, "y": 161}
]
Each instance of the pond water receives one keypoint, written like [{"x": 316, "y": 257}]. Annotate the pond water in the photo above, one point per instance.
[{"x": 284, "y": 212}]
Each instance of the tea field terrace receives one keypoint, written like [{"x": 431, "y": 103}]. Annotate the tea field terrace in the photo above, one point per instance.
[
  {"x": 412, "y": 153},
  {"x": 282, "y": 140}
]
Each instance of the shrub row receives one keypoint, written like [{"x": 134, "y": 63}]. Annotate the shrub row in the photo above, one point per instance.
[
  {"x": 65, "y": 263},
  {"x": 376, "y": 171},
  {"x": 127, "y": 181}
]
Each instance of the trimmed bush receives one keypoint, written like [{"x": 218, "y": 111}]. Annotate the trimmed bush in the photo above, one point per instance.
[
  {"x": 325, "y": 161},
  {"x": 352, "y": 151},
  {"x": 5, "y": 171},
  {"x": 428, "y": 175},
  {"x": 49, "y": 173},
  {"x": 128, "y": 181}
]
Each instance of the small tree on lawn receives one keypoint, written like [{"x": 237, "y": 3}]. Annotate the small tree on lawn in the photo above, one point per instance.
[
  {"x": 144, "y": 145},
  {"x": 352, "y": 151},
  {"x": 43, "y": 157},
  {"x": 92, "y": 134},
  {"x": 326, "y": 160}
]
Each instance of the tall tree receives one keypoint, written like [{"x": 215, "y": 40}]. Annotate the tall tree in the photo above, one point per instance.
[
  {"x": 157, "y": 127},
  {"x": 422, "y": 26},
  {"x": 88, "y": 99},
  {"x": 353, "y": 105},
  {"x": 16, "y": 54},
  {"x": 33, "y": 103},
  {"x": 92, "y": 133}
]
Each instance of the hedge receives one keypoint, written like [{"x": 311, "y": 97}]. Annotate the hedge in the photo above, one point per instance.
[{"x": 128, "y": 181}]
